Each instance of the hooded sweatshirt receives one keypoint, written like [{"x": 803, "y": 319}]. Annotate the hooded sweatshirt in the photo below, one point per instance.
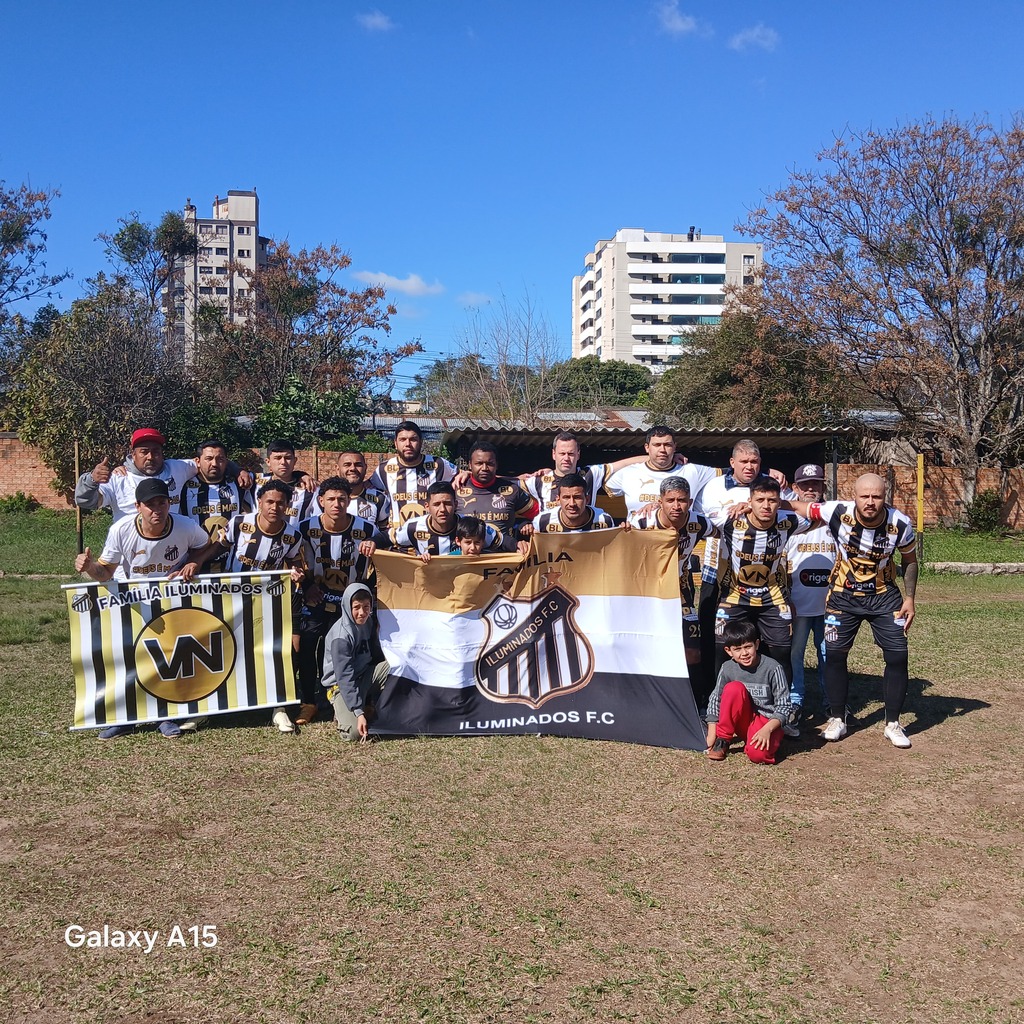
[{"x": 349, "y": 650}]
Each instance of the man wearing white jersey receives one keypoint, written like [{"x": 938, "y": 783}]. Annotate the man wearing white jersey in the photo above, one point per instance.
[
  {"x": 565, "y": 453},
  {"x": 101, "y": 486},
  {"x": 152, "y": 545},
  {"x": 640, "y": 483}
]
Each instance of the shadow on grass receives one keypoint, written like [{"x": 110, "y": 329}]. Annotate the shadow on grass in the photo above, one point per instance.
[{"x": 929, "y": 709}]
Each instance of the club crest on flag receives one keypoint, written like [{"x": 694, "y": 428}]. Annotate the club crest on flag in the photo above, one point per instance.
[
  {"x": 83, "y": 603},
  {"x": 533, "y": 650}
]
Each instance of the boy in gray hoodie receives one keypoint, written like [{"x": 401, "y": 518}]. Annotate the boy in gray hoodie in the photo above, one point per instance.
[{"x": 354, "y": 667}]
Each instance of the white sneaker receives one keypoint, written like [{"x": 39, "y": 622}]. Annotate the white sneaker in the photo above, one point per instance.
[
  {"x": 192, "y": 724},
  {"x": 282, "y": 721},
  {"x": 896, "y": 736},
  {"x": 835, "y": 729}
]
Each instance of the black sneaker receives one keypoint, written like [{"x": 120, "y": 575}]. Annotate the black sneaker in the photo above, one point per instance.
[{"x": 719, "y": 750}]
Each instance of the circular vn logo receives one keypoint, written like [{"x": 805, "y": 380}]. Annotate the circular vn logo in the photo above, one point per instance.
[{"x": 184, "y": 654}]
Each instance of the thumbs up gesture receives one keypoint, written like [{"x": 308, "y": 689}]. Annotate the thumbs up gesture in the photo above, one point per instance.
[
  {"x": 101, "y": 471},
  {"x": 83, "y": 560}
]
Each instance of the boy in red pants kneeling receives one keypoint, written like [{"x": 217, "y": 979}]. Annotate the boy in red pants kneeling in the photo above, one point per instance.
[{"x": 751, "y": 698}]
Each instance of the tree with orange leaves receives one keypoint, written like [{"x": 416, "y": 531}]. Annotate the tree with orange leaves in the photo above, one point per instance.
[
  {"x": 300, "y": 323},
  {"x": 902, "y": 255}
]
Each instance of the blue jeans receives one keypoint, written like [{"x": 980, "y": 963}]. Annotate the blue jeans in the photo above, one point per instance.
[{"x": 802, "y": 627}]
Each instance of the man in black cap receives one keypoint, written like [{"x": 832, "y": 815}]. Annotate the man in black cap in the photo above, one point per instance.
[{"x": 152, "y": 544}]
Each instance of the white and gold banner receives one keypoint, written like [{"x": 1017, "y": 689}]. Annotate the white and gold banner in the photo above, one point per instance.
[
  {"x": 583, "y": 637},
  {"x": 149, "y": 650}
]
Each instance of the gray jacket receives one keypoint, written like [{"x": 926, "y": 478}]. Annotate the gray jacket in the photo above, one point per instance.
[{"x": 350, "y": 650}]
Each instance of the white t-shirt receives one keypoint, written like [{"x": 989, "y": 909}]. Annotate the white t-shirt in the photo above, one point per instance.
[
  {"x": 640, "y": 485},
  {"x": 811, "y": 558},
  {"x": 119, "y": 491},
  {"x": 138, "y": 557}
]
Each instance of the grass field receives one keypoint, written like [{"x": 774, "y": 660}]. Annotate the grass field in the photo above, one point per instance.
[
  {"x": 523, "y": 879},
  {"x": 44, "y": 542}
]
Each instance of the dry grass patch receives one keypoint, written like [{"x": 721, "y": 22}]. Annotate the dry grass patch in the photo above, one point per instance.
[{"x": 526, "y": 879}]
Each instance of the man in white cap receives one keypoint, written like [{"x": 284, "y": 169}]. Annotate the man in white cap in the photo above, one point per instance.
[{"x": 811, "y": 558}]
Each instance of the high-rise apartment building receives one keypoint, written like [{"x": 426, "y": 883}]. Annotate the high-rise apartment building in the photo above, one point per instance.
[
  {"x": 642, "y": 292},
  {"x": 227, "y": 243}
]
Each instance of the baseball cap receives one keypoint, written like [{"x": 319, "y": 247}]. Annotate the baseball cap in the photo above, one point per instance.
[
  {"x": 151, "y": 488},
  {"x": 809, "y": 471},
  {"x": 146, "y": 435}
]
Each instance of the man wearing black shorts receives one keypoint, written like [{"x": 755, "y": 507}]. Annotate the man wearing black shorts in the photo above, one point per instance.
[
  {"x": 868, "y": 532},
  {"x": 754, "y": 584}
]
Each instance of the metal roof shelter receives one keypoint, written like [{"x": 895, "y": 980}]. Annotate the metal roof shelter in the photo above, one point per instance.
[{"x": 616, "y": 434}]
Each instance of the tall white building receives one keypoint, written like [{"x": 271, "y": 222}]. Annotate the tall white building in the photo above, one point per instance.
[
  {"x": 227, "y": 243},
  {"x": 642, "y": 292}
]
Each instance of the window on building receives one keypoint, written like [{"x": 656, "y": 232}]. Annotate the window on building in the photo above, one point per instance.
[
  {"x": 242, "y": 292},
  {"x": 205, "y": 290},
  {"x": 748, "y": 278},
  {"x": 206, "y": 270},
  {"x": 222, "y": 229},
  {"x": 206, "y": 250},
  {"x": 222, "y": 271},
  {"x": 244, "y": 230},
  {"x": 748, "y": 259},
  {"x": 244, "y": 254},
  {"x": 222, "y": 250},
  {"x": 222, "y": 291}
]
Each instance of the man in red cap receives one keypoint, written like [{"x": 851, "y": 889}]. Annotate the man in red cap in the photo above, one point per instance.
[{"x": 105, "y": 485}]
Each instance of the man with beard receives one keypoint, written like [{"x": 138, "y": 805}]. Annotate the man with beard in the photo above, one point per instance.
[
  {"x": 868, "y": 532},
  {"x": 367, "y": 502},
  {"x": 211, "y": 500},
  {"x": 406, "y": 476}
]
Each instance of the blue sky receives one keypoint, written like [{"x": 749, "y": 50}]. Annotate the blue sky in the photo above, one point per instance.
[{"x": 470, "y": 148}]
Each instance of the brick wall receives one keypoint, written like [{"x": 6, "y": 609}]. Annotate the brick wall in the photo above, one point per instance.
[{"x": 22, "y": 469}]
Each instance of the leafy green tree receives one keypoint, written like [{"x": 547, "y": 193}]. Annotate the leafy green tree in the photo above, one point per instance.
[
  {"x": 146, "y": 254},
  {"x": 588, "y": 383},
  {"x": 747, "y": 373},
  {"x": 198, "y": 420},
  {"x": 99, "y": 374},
  {"x": 447, "y": 385},
  {"x": 23, "y": 214},
  {"x": 304, "y": 415}
]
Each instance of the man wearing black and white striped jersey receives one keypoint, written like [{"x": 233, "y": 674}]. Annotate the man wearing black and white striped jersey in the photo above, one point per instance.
[
  {"x": 868, "y": 532},
  {"x": 406, "y": 476},
  {"x": 337, "y": 548},
  {"x": 435, "y": 532},
  {"x": 210, "y": 499},
  {"x": 573, "y": 513}
]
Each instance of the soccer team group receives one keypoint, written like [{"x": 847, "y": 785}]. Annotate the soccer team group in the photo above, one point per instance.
[{"x": 779, "y": 565}]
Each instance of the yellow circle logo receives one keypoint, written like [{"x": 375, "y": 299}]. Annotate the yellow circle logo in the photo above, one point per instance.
[{"x": 184, "y": 654}]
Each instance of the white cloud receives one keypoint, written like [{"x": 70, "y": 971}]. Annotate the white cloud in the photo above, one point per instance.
[
  {"x": 760, "y": 36},
  {"x": 673, "y": 20},
  {"x": 474, "y": 299},
  {"x": 411, "y": 285},
  {"x": 375, "y": 21}
]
